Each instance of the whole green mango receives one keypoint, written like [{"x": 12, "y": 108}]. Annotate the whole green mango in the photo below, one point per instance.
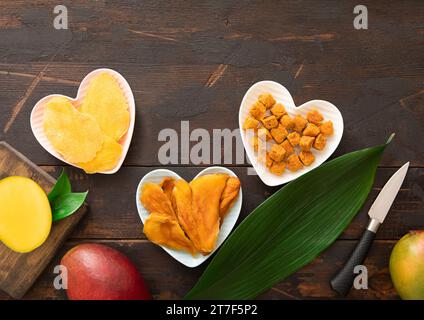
[{"x": 407, "y": 266}]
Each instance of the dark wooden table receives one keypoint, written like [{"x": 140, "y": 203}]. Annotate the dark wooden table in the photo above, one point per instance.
[{"x": 194, "y": 60}]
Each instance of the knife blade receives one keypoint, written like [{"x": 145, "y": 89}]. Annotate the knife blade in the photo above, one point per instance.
[{"x": 343, "y": 280}]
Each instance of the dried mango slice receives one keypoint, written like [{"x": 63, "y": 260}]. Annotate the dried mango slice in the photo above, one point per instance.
[
  {"x": 105, "y": 101},
  {"x": 206, "y": 195},
  {"x": 75, "y": 135},
  {"x": 163, "y": 230},
  {"x": 162, "y": 225},
  {"x": 106, "y": 159}
]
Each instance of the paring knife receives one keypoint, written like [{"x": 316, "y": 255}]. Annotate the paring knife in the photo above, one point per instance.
[{"x": 343, "y": 281}]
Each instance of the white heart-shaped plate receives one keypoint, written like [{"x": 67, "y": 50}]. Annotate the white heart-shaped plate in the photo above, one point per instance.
[
  {"x": 282, "y": 95},
  {"x": 230, "y": 220},
  {"x": 37, "y": 115}
]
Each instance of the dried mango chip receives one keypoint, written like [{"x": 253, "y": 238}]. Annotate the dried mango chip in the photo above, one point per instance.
[
  {"x": 75, "y": 135},
  {"x": 106, "y": 102},
  {"x": 106, "y": 159}
]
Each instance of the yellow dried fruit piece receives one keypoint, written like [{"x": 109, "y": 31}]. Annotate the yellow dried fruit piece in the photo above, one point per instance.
[
  {"x": 277, "y": 152},
  {"x": 306, "y": 157},
  {"x": 293, "y": 163},
  {"x": 327, "y": 128},
  {"x": 106, "y": 159},
  {"x": 25, "y": 214},
  {"x": 287, "y": 122},
  {"x": 311, "y": 130},
  {"x": 278, "y": 168},
  {"x": 250, "y": 123},
  {"x": 258, "y": 110},
  {"x": 314, "y": 116},
  {"x": 289, "y": 148},
  {"x": 264, "y": 134},
  {"x": 264, "y": 158},
  {"x": 306, "y": 143},
  {"x": 254, "y": 142},
  {"x": 293, "y": 138},
  {"x": 268, "y": 160},
  {"x": 75, "y": 135},
  {"x": 299, "y": 123},
  {"x": 105, "y": 101},
  {"x": 267, "y": 100},
  {"x": 279, "y": 133},
  {"x": 270, "y": 122},
  {"x": 320, "y": 142},
  {"x": 278, "y": 110}
]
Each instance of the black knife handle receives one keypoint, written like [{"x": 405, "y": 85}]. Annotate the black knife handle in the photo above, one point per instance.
[{"x": 343, "y": 280}]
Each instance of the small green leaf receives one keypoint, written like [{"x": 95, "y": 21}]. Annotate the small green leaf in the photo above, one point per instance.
[
  {"x": 66, "y": 204},
  {"x": 62, "y": 186}
]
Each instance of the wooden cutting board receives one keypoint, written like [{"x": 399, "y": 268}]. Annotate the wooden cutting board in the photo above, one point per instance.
[{"x": 18, "y": 271}]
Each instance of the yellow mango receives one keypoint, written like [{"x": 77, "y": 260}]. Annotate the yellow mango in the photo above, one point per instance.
[{"x": 25, "y": 214}]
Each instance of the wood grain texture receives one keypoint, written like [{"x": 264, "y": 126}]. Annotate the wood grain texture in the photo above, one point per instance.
[
  {"x": 194, "y": 60},
  {"x": 170, "y": 280},
  {"x": 19, "y": 271},
  {"x": 368, "y": 74}
]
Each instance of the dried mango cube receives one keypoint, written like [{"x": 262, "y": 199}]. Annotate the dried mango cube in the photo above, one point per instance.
[
  {"x": 277, "y": 152},
  {"x": 264, "y": 134},
  {"x": 278, "y": 110},
  {"x": 289, "y": 148},
  {"x": 306, "y": 157},
  {"x": 306, "y": 143},
  {"x": 293, "y": 163},
  {"x": 294, "y": 138},
  {"x": 278, "y": 168},
  {"x": 254, "y": 142},
  {"x": 250, "y": 123},
  {"x": 311, "y": 130},
  {"x": 327, "y": 128},
  {"x": 268, "y": 160},
  {"x": 287, "y": 122},
  {"x": 299, "y": 123},
  {"x": 267, "y": 100},
  {"x": 270, "y": 122},
  {"x": 314, "y": 116},
  {"x": 279, "y": 133},
  {"x": 258, "y": 110},
  {"x": 265, "y": 159},
  {"x": 320, "y": 142}
]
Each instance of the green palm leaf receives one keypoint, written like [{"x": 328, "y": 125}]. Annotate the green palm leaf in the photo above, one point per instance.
[{"x": 291, "y": 228}]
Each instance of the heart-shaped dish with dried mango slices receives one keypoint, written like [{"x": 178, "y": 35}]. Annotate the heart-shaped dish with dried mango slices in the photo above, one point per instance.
[{"x": 92, "y": 131}]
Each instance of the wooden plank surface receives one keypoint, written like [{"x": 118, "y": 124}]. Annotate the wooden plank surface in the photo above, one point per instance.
[
  {"x": 194, "y": 60},
  {"x": 170, "y": 280},
  {"x": 19, "y": 271}
]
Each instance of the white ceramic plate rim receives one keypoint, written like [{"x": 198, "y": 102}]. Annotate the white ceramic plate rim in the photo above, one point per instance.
[
  {"x": 321, "y": 156},
  {"x": 230, "y": 220},
  {"x": 125, "y": 140}
]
